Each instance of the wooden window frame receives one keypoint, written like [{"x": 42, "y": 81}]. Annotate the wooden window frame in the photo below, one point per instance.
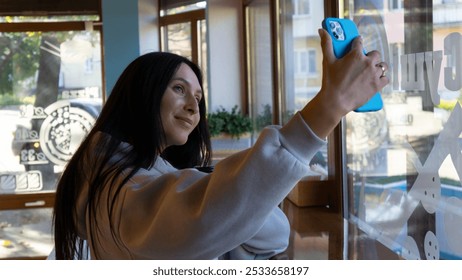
[
  {"x": 20, "y": 201},
  {"x": 192, "y": 17}
]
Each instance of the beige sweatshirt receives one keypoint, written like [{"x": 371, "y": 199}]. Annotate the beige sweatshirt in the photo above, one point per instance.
[{"x": 231, "y": 213}]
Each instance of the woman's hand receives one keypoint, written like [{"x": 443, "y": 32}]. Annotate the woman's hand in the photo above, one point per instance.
[{"x": 347, "y": 83}]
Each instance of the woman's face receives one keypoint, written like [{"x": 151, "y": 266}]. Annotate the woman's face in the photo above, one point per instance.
[{"x": 179, "y": 108}]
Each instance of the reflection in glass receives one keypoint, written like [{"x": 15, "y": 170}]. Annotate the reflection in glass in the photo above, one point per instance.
[{"x": 405, "y": 162}]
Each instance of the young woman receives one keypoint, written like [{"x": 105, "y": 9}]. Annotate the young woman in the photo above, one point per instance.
[{"x": 131, "y": 191}]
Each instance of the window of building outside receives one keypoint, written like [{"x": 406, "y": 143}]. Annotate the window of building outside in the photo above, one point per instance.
[
  {"x": 404, "y": 163},
  {"x": 50, "y": 96},
  {"x": 183, "y": 31}
]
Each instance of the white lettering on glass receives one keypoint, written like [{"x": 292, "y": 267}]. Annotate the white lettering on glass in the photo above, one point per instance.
[
  {"x": 453, "y": 48},
  {"x": 433, "y": 65},
  {"x": 414, "y": 66}
]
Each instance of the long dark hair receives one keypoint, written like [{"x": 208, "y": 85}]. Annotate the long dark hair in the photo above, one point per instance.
[{"x": 132, "y": 115}]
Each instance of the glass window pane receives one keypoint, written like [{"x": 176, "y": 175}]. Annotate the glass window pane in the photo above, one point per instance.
[
  {"x": 302, "y": 63},
  {"x": 177, "y": 39},
  {"x": 404, "y": 162},
  {"x": 260, "y": 63},
  {"x": 178, "y": 7},
  {"x": 202, "y": 27},
  {"x": 50, "y": 96},
  {"x": 25, "y": 233}
]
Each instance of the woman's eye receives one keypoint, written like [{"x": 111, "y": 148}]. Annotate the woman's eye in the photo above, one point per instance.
[{"x": 178, "y": 89}]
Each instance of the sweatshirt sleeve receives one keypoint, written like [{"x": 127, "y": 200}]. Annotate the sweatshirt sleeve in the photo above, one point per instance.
[
  {"x": 270, "y": 240},
  {"x": 188, "y": 214}
]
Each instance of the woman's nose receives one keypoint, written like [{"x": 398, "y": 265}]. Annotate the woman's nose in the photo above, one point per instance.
[{"x": 191, "y": 105}]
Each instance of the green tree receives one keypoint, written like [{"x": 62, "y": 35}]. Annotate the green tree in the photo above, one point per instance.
[{"x": 19, "y": 58}]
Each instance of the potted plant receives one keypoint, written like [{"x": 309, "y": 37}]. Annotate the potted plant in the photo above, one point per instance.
[
  {"x": 230, "y": 131},
  {"x": 232, "y": 123}
]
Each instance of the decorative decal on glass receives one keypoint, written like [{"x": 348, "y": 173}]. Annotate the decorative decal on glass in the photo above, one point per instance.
[{"x": 62, "y": 131}]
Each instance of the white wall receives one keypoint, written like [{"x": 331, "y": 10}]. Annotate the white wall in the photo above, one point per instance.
[
  {"x": 226, "y": 62},
  {"x": 225, "y": 46}
]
